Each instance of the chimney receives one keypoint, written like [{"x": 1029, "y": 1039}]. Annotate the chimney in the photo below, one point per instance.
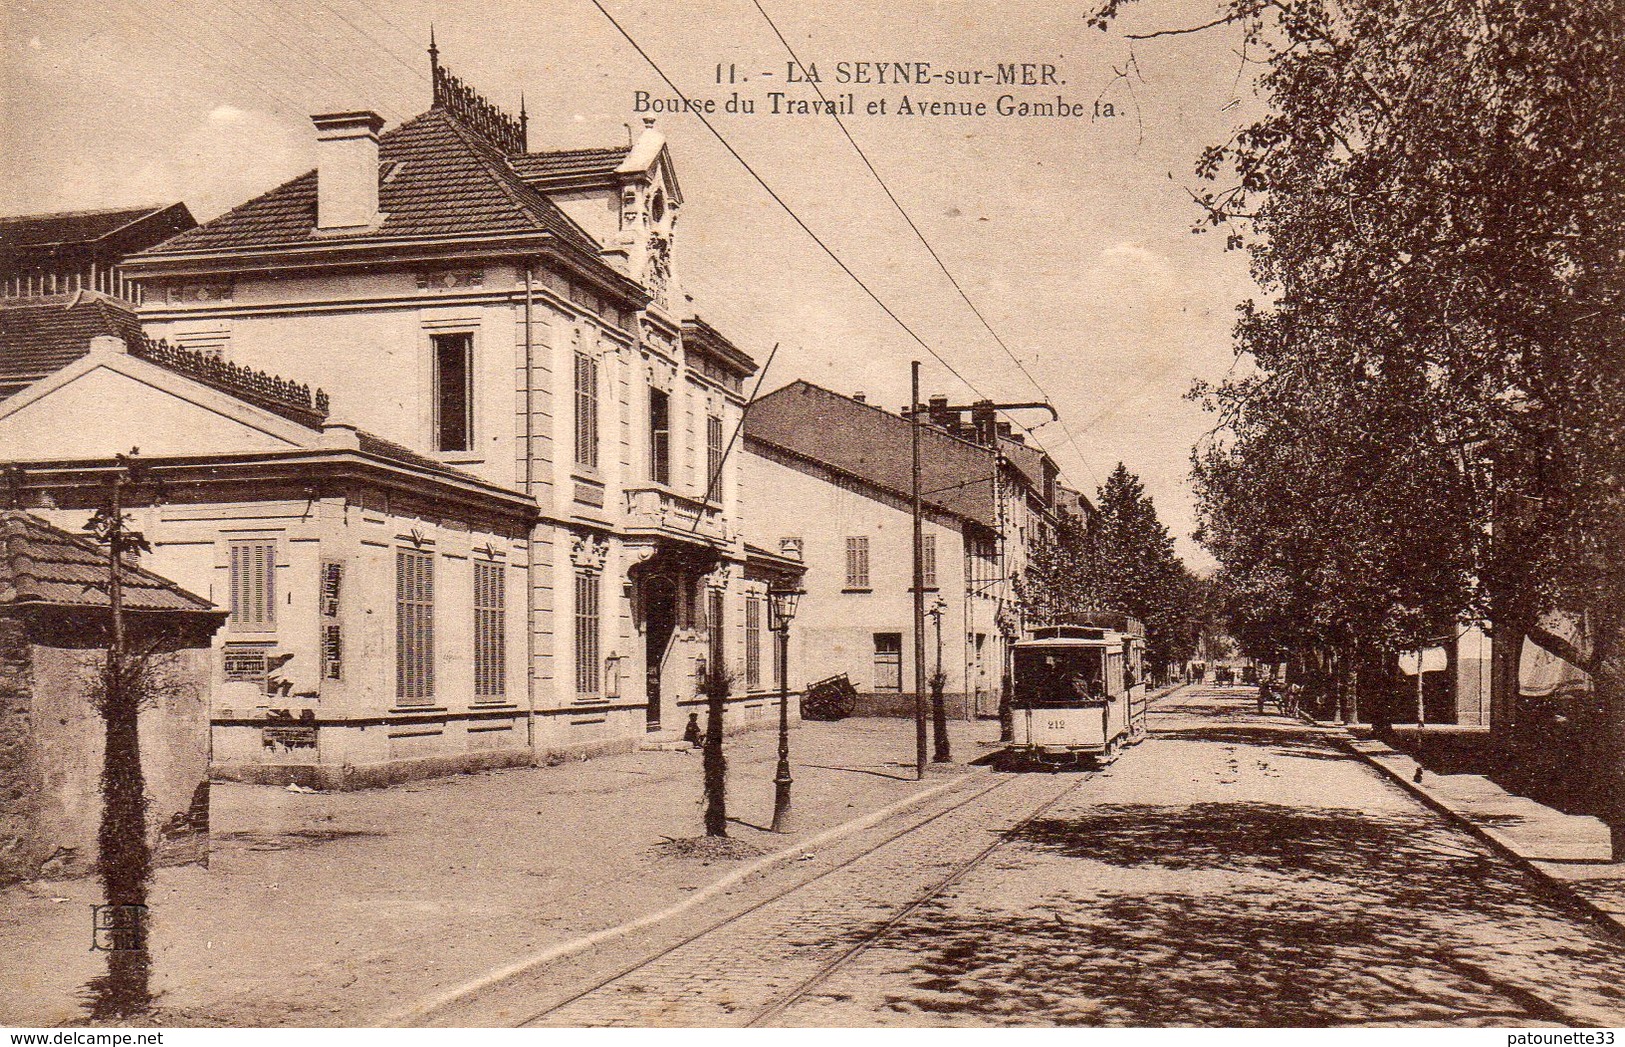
[
  {"x": 937, "y": 408},
  {"x": 981, "y": 419},
  {"x": 860, "y": 398},
  {"x": 347, "y": 169}
]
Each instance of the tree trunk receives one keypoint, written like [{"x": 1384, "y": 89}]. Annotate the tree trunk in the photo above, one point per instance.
[
  {"x": 716, "y": 768},
  {"x": 939, "y": 721},
  {"x": 125, "y": 857}
]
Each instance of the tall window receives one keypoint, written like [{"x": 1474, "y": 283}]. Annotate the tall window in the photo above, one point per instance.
[
  {"x": 713, "y": 455},
  {"x": 453, "y": 391},
  {"x": 857, "y": 563},
  {"x": 586, "y": 410},
  {"x": 587, "y": 640},
  {"x": 253, "y": 587},
  {"x": 414, "y": 627},
  {"x": 928, "y": 560},
  {"x": 753, "y": 643},
  {"x": 888, "y": 661},
  {"x": 713, "y": 625},
  {"x": 659, "y": 436},
  {"x": 490, "y": 631}
]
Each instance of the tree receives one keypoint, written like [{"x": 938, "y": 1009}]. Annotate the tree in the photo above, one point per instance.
[
  {"x": 1432, "y": 204},
  {"x": 123, "y": 686},
  {"x": 1123, "y": 561}
]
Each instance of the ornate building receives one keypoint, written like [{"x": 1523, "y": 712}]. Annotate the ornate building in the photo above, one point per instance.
[{"x": 509, "y": 328}]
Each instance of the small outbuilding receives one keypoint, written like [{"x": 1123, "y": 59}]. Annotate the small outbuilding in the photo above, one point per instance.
[{"x": 55, "y": 619}]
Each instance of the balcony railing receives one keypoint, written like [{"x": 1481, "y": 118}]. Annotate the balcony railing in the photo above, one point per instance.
[{"x": 660, "y": 509}]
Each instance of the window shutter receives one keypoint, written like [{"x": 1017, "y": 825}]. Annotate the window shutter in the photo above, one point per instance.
[
  {"x": 857, "y": 563},
  {"x": 490, "y": 631},
  {"x": 586, "y": 387},
  {"x": 253, "y": 586},
  {"x": 587, "y": 621},
  {"x": 414, "y": 627},
  {"x": 753, "y": 643}
]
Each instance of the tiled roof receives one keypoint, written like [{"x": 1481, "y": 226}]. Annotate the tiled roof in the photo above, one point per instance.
[
  {"x": 873, "y": 446},
  {"x": 41, "y": 335},
  {"x": 69, "y": 227},
  {"x": 438, "y": 179},
  {"x": 378, "y": 447},
  {"x": 563, "y": 165},
  {"x": 42, "y": 564}
]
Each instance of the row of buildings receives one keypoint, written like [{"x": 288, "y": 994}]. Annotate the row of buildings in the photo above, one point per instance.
[{"x": 436, "y": 429}]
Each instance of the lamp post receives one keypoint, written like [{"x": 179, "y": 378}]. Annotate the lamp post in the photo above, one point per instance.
[{"x": 781, "y": 609}]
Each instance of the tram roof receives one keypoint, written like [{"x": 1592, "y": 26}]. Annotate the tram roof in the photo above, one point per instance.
[{"x": 1075, "y": 636}]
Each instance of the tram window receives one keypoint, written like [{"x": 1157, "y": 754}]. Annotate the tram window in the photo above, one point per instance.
[{"x": 1057, "y": 677}]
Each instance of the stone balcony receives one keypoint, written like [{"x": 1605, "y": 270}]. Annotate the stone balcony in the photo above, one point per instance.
[{"x": 660, "y": 510}]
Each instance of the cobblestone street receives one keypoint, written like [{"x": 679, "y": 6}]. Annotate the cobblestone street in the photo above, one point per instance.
[{"x": 1233, "y": 870}]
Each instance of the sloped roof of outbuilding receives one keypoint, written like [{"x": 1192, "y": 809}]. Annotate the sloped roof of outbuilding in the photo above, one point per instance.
[
  {"x": 41, "y": 335},
  {"x": 570, "y": 165},
  {"x": 44, "y": 565},
  {"x": 72, "y": 227}
]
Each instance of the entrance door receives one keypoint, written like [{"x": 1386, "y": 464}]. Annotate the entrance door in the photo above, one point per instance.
[
  {"x": 659, "y": 622},
  {"x": 986, "y": 695}
]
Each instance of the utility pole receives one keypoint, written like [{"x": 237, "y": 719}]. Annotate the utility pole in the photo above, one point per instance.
[
  {"x": 987, "y": 433},
  {"x": 919, "y": 575}
]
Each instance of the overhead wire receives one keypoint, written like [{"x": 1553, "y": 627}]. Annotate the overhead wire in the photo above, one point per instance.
[
  {"x": 795, "y": 217},
  {"x": 920, "y": 235},
  {"x": 312, "y": 55}
]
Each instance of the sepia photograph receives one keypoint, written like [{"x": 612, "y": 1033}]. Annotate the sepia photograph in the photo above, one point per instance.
[{"x": 906, "y": 515}]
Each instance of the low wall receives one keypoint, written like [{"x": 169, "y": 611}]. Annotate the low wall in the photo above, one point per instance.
[
  {"x": 893, "y": 704},
  {"x": 623, "y": 734}
]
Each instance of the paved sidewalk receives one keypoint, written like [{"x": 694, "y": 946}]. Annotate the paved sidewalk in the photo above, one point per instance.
[
  {"x": 338, "y": 908},
  {"x": 1569, "y": 852}
]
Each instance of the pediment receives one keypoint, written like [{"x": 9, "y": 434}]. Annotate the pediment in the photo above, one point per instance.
[{"x": 109, "y": 402}]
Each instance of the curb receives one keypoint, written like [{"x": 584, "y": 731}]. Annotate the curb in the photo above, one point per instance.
[
  {"x": 1557, "y": 889},
  {"x": 417, "y": 1011}
]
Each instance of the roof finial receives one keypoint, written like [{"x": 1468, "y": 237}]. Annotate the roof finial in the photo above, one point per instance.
[
  {"x": 524, "y": 125},
  {"x": 434, "y": 65}
]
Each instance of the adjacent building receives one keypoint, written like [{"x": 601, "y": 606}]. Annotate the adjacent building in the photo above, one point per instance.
[
  {"x": 829, "y": 479},
  {"x": 61, "y": 283}
]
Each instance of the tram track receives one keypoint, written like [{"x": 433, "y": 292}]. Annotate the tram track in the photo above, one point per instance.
[
  {"x": 781, "y": 1001},
  {"x": 778, "y": 1007}
]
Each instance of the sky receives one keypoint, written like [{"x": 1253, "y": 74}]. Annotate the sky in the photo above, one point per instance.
[{"x": 1071, "y": 236}]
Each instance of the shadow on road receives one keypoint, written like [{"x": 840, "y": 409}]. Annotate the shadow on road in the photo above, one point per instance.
[
  {"x": 1285, "y": 740},
  {"x": 1298, "y": 917}
]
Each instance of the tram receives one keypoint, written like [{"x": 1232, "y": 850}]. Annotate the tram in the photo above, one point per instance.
[{"x": 1077, "y": 695}]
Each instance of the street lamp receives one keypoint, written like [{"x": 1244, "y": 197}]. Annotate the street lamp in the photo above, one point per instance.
[{"x": 781, "y": 609}]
